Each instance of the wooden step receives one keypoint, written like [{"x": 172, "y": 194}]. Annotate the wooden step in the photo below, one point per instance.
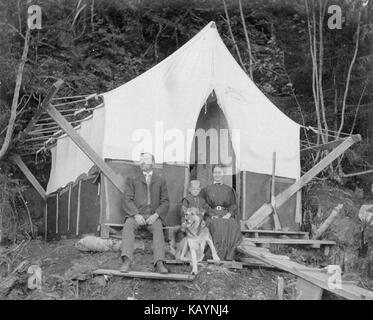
[{"x": 309, "y": 242}]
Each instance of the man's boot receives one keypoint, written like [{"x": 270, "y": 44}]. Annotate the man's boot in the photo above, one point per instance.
[{"x": 126, "y": 264}]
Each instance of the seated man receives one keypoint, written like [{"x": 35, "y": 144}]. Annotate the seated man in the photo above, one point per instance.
[{"x": 145, "y": 203}]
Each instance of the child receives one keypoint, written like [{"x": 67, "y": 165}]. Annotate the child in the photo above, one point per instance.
[{"x": 193, "y": 200}]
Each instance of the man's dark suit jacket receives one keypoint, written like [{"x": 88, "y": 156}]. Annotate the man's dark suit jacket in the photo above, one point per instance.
[{"x": 135, "y": 196}]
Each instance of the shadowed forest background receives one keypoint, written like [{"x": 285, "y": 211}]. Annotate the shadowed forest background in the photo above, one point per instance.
[{"x": 95, "y": 46}]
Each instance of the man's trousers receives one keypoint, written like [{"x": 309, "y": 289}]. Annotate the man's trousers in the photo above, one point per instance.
[{"x": 128, "y": 238}]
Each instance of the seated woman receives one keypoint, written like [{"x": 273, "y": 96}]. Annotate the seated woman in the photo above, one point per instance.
[{"x": 221, "y": 215}]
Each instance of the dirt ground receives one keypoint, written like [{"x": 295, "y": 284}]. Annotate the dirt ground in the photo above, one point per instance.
[{"x": 66, "y": 275}]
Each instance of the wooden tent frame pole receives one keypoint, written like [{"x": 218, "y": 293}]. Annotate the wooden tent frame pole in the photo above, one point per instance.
[
  {"x": 266, "y": 209},
  {"x": 30, "y": 177},
  {"x": 115, "y": 178}
]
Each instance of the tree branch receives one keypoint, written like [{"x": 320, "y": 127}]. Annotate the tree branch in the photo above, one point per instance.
[
  {"x": 13, "y": 111},
  {"x": 247, "y": 41},
  {"x": 349, "y": 75},
  {"x": 358, "y": 106},
  {"x": 321, "y": 57}
]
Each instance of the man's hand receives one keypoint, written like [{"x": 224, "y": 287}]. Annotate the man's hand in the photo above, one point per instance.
[
  {"x": 227, "y": 216},
  {"x": 140, "y": 219},
  {"x": 152, "y": 218}
]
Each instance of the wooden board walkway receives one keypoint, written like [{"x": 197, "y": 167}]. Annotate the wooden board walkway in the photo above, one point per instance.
[
  {"x": 226, "y": 264},
  {"x": 310, "y": 278},
  {"x": 146, "y": 275}
]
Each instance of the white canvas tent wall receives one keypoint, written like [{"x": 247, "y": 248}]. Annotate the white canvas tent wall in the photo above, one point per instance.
[{"x": 166, "y": 101}]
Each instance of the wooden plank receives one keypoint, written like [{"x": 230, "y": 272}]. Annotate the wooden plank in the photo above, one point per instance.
[
  {"x": 266, "y": 209},
  {"x": 57, "y": 211},
  {"x": 238, "y": 190},
  {"x": 280, "y": 288},
  {"x": 78, "y": 208},
  {"x": 274, "y": 232},
  {"x": 315, "y": 243},
  {"x": 244, "y": 195},
  {"x": 115, "y": 178},
  {"x": 274, "y": 256},
  {"x": 226, "y": 264},
  {"x": 68, "y": 208},
  {"x": 348, "y": 291},
  {"x": 252, "y": 262},
  {"x": 120, "y": 225},
  {"x": 45, "y": 220},
  {"x": 147, "y": 275},
  {"x": 186, "y": 181},
  {"x": 30, "y": 177},
  {"x": 246, "y": 242},
  {"x": 107, "y": 200},
  {"x": 104, "y": 231},
  {"x": 276, "y": 219},
  {"x": 307, "y": 290},
  {"x": 298, "y": 209}
]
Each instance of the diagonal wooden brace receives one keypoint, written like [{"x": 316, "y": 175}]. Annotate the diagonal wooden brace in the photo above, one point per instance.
[
  {"x": 26, "y": 171},
  {"x": 115, "y": 178},
  {"x": 266, "y": 209}
]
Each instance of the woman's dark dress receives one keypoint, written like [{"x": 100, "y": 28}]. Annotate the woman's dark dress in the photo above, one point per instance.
[{"x": 226, "y": 233}]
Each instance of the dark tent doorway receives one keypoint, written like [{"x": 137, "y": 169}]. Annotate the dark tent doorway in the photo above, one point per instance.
[{"x": 212, "y": 145}]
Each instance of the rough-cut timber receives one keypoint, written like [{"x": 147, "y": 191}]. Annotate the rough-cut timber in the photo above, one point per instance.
[
  {"x": 266, "y": 209},
  {"x": 320, "y": 279}
]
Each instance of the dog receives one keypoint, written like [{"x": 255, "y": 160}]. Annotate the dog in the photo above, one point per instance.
[{"x": 191, "y": 248}]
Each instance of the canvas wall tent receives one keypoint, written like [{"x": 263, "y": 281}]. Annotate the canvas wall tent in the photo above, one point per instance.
[{"x": 199, "y": 86}]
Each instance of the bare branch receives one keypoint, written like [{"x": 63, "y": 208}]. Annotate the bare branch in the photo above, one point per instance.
[
  {"x": 312, "y": 45},
  {"x": 349, "y": 75}
]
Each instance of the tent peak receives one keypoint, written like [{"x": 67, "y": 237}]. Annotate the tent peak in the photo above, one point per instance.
[{"x": 212, "y": 24}]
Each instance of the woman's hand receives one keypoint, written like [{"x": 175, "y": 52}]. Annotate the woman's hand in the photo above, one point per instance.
[
  {"x": 183, "y": 226},
  {"x": 227, "y": 216}
]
